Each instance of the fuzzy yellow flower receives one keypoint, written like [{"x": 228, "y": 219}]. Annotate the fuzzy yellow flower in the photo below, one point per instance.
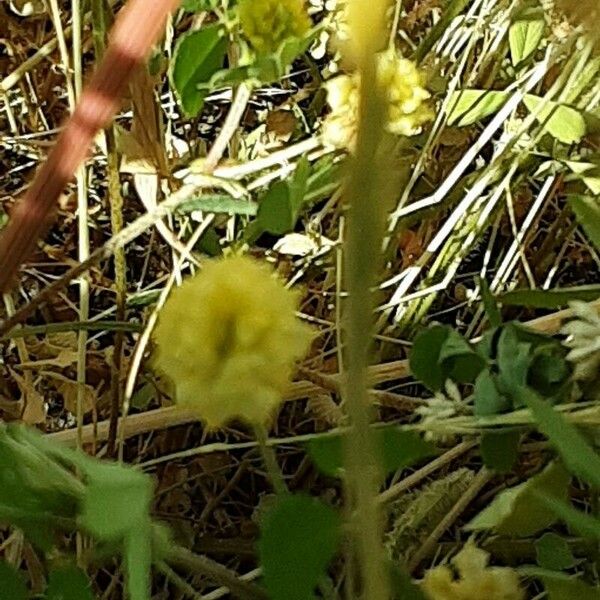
[
  {"x": 476, "y": 580},
  {"x": 227, "y": 339},
  {"x": 402, "y": 86},
  {"x": 268, "y": 23}
]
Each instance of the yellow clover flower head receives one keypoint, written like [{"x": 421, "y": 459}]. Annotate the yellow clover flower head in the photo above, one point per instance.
[
  {"x": 227, "y": 339},
  {"x": 402, "y": 86},
  {"x": 476, "y": 580},
  {"x": 268, "y": 23}
]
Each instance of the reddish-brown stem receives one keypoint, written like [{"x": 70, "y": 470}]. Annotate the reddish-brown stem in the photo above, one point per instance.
[{"x": 136, "y": 29}]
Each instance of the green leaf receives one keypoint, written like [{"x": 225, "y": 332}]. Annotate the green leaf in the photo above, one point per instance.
[
  {"x": 138, "y": 559},
  {"x": 577, "y": 454},
  {"x": 12, "y": 584},
  {"x": 525, "y": 34},
  {"x": 68, "y": 583},
  {"x": 199, "y": 5},
  {"x": 459, "y": 359},
  {"x": 218, "y": 204},
  {"x": 424, "y": 357},
  {"x": 487, "y": 399},
  {"x": 469, "y": 106},
  {"x": 577, "y": 520},
  {"x": 500, "y": 449},
  {"x": 514, "y": 359},
  {"x": 298, "y": 539},
  {"x": 117, "y": 500},
  {"x": 438, "y": 353},
  {"x": 553, "y": 552},
  {"x": 198, "y": 55},
  {"x": 279, "y": 208},
  {"x": 396, "y": 449},
  {"x": 518, "y": 511},
  {"x": 562, "y": 122},
  {"x": 563, "y": 587},
  {"x": 587, "y": 211},
  {"x": 489, "y": 304},
  {"x": 553, "y": 298}
]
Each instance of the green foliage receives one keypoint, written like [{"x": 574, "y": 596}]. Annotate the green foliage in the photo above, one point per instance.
[
  {"x": 553, "y": 552},
  {"x": 507, "y": 357},
  {"x": 68, "y": 583},
  {"x": 500, "y": 449},
  {"x": 562, "y": 122},
  {"x": 470, "y": 106},
  {"x": 552, "y": 298},
  {"x": 397, "y": 449},
  {"x": 199, "y": 5},
  {"x": 560, "y": 586},
  {"x": 299, "y": 537},
  {"x": 577, "y": 454},
  {"x": 439, "y": 353},
  {"x": 197, "y": 57},
  {"x": 518, "y": 511},
  {"x": 12, "y": 586},
  {"x": 279, "y": 208},
  {"x": 526, "y": 33},
  {"x": 219, "y": 204},
  {"x": 587, "y": 211}
]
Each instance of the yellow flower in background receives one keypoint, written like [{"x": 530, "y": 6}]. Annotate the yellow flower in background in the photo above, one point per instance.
[
  {"x": 227, "y": 339},
  {"x": 402, "y": 86},
  {"x": 476, "y": 580},
  {"x": 268, "y": 23}
]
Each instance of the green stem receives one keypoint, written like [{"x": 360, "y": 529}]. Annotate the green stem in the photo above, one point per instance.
[{"x": 270, "y": 459}]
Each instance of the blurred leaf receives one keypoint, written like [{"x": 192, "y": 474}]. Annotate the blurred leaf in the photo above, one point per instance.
[
  {"x": 469, "y": 106},
  {"x": 518, "y": 511},
  {"x": 526, "y": 33},
  {"x": 578, "y": 455},
  {"x": 500, "y": 449},
  {"x": 198, "y": 55},
  {"x": 116, "y": 501},
  {"x": 396, "y": 450},
  {"x": 490, "y": 305},
  {"x": 553, "y": 298},
  {"x": 12, "y": 584},
  {"x": 214, "y": 203},
  {"x": 298, "y": 539},
  {"x": 514, "y": 359},
  {"x": 68, "y": 583},
  {"x": 144, "y": 396},
  {"x": 424, "y": 357},
  {"x": 199, "y": 5},
  {"x": 562, "y": 122},
  {"x": 587, "y": 211},
  {"x": 487, "y": 399},
  {"x": 560, "y": 586},
  {"x": 577, "y": 520},
  {"x": 553, "y": 552},
  {"x": 279, "y": 208},
  {"x": 438, "y": 353}
]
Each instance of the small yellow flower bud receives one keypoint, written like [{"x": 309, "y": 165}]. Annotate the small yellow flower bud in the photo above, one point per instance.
[
  {"x": 476, "y": 579},
  {"x": 227, "y": 339},
  {"x": 268, "y": 23},
  {"x": 401, "y": 84}
]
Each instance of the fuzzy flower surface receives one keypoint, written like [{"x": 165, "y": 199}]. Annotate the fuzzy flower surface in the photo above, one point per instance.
[
  {"x": 476, "y": 579},
  {"x": 268, "y": 23},
  {"x": 402, "y": 86},
  {"x": 227, "y": 339}
]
